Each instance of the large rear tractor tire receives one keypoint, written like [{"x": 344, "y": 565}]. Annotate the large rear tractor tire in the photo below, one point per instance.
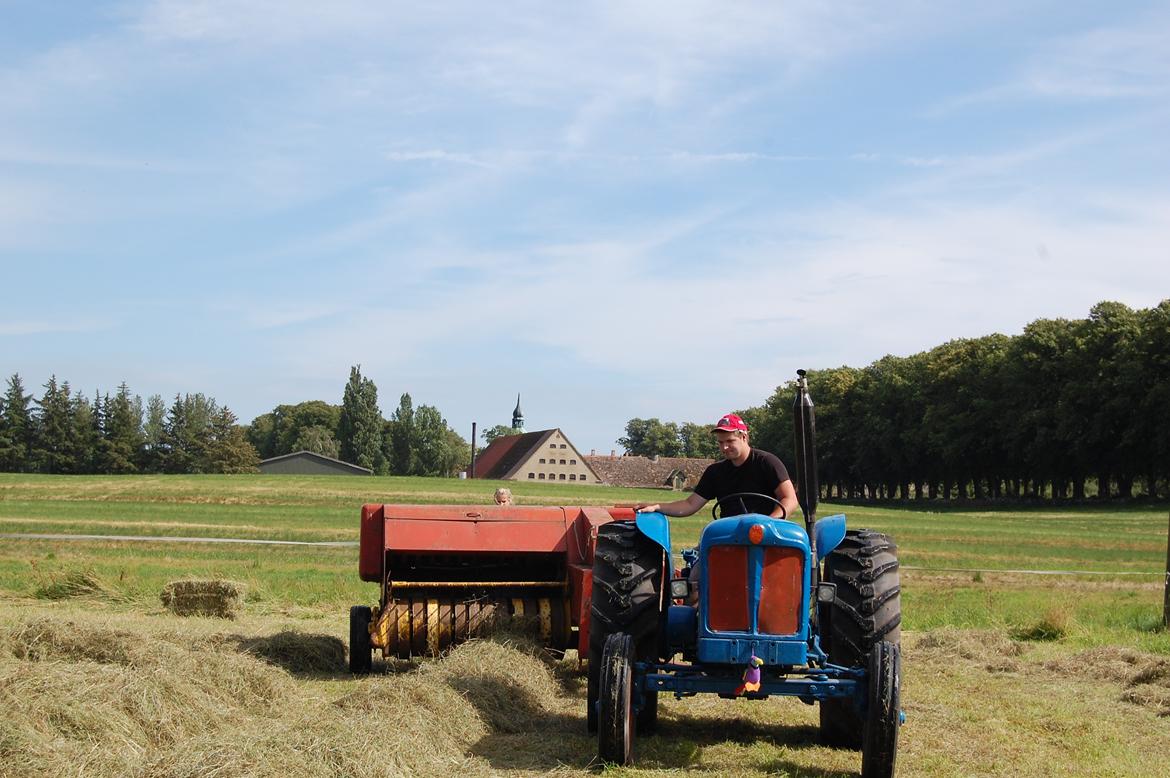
[
  {"x": 867, "y": 610},
  {"x": 360, "y": 651},
  {"x": 615, "y": 713},
  {"x": 879, "y": 748},
  {"x": 627, "y": 598}
]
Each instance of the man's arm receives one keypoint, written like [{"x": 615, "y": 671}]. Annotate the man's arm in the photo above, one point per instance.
[
  {"x": 686, "y": 507},
  {"x": 786, "y": 494}
]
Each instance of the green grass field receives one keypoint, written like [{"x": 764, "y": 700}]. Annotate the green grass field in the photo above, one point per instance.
[
  {"x": 1005, "y": 673},
  {"x": 935, "y": 547}
]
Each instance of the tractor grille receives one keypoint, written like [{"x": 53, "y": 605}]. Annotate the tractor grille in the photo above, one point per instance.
[
  {"x": 781, "y": 587},
  {"x": 727, "y": 583},
  {"x": 735, "y": 572}
]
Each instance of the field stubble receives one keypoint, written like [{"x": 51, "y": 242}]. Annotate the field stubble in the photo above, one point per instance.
[{"x": 1004, "y": 674}]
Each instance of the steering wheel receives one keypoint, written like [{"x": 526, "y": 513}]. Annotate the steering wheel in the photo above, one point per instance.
[{"x": 742, "y": 504}]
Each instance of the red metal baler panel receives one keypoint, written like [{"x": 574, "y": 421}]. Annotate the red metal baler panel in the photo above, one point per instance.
[
  {"x": 370, "y": 548},
  {"x": 454, "y": 528}
]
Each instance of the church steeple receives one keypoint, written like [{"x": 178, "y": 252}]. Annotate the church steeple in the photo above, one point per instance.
[{"x": 518, "y": 416}]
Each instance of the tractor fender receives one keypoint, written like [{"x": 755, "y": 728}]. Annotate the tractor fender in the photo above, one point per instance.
[
  {"x": 829, "y": 532},
  {"x": 656, "y": 527}
]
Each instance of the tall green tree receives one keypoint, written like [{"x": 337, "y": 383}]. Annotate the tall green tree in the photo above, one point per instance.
[
  {"x": 121, "y": 433},
  {"x": 228, "y": 449},
  {"x": 432, "y": 445},
  {"x": 52, "y": 446},
  {"x": 359, "y": 429},
  {"x": 84, "y": 435},
  {"x": 16, "y": 428},
  {"x": 187, "y": 433},
  {"x": 402, "y": 430},
  {"x": 151, "y": 453}
]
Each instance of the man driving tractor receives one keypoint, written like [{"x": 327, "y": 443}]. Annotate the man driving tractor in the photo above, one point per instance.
[{"x": 743, "y": 469}]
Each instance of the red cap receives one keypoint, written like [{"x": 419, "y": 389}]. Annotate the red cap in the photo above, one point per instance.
[{"x": 730, "y": 423}]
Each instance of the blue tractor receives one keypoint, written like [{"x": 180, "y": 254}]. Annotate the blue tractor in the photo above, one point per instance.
[{"x": 811, "y": 612}]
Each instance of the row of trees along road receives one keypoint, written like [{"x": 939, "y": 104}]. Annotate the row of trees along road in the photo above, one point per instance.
[
  {"x": 1066, "y": 409},
  {"x": 64, "y": 432},
  {"x": 413, "y": 441}
]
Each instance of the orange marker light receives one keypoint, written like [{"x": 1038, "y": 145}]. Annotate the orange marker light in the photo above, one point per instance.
[{"x": 756, "y": 533}]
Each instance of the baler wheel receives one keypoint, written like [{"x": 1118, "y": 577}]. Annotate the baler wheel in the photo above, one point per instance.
[
  {"x": 360, "y": 657},
  {"x": 627, "y": 597},
  {"x": 866, "y": 611},
  {"x": 615, "y": 716},
  {"x": 882, "y": 719}
]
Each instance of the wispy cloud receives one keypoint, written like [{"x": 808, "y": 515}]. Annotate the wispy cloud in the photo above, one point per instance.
[
  {"x": 436, "y": 155},
  {"x": 1108, "y": 63},
  {"x": 19, "y": 328}
]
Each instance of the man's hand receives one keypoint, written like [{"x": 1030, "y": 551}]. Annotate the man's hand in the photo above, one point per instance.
[{"x": 647, "y": 507}]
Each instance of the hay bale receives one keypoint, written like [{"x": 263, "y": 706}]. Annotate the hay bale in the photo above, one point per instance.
[{"x": 198, "y": 597}]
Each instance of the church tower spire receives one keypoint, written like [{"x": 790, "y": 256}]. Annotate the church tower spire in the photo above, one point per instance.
[{"x": 518, "y": 416}]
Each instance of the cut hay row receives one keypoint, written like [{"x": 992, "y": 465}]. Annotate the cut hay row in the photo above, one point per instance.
[{"x": 86, "y": 698}]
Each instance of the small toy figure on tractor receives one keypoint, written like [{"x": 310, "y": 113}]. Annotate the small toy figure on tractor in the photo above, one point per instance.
[{"x": 768, "y": 621}]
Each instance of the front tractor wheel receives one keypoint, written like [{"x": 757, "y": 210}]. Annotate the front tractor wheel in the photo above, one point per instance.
[
  {"x": 866, "y": 611},
  {"x": 883, "y": 716},
  {"x": 360, "y": 651},
  {"x": 615, "y": 714},
  {"x": 627, "y": 598}
]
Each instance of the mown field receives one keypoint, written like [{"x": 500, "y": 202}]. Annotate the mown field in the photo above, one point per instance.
[{"x": 1005, "y": 672}]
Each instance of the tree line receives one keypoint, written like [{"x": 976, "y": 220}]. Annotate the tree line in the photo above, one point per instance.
[
  {"x": 65, "y": 432},
  {"x": 1069, "y": 408}
]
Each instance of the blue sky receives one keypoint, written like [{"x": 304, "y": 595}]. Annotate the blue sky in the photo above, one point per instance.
[{"x": 616, "y": 209}]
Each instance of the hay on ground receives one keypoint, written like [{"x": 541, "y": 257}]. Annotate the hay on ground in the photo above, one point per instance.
[
  {"x": 197, "y": 597},
  {"x": 112, "y": 696},
  {"x": 298, "y": 652},
  {"x": 75, "y": 583}
]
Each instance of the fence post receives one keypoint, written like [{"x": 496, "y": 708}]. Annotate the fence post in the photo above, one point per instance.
[{"x": 1166, "y": 594}]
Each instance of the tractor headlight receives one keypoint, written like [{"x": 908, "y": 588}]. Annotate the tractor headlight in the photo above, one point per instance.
[
  {"x": 826, "y": 593},
  {"x": 679, "y": 588}
]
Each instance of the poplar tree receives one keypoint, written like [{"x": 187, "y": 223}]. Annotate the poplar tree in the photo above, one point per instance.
[
  {"x": 403, "y": 431},
  {"x": 359, "y": 428}
]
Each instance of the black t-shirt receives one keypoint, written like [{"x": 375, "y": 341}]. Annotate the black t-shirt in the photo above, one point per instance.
[{"x": 761, "y": 473}]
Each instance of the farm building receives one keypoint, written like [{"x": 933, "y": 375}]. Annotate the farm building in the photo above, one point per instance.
[
  {"x": 310, "y": 463},
  {"x": 651, "y": 472},
  {"x": 545, "y": 455}
]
